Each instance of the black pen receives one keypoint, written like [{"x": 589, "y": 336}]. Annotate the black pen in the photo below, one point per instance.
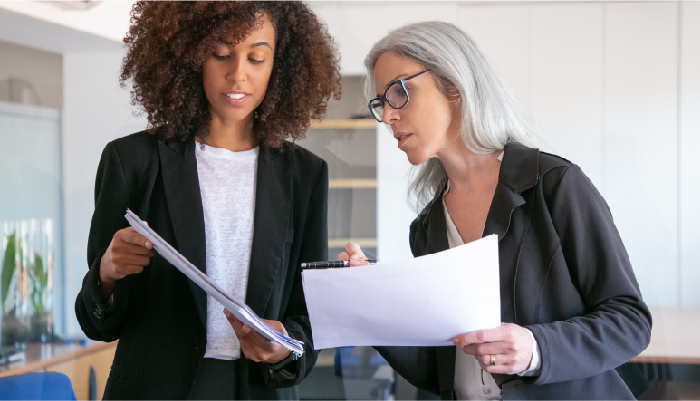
[{"x": 329, "y": 264}]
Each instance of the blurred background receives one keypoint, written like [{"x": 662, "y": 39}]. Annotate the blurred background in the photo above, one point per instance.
[{"x": 612, "y": 86}]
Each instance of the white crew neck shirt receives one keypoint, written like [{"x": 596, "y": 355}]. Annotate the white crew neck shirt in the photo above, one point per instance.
[{"x": 227, "y": 186}]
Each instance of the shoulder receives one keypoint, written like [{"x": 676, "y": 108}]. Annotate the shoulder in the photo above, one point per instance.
[
  {"x": 552, "y": 168},
  {"x": 135, "y": 146},
  {"x": 304, "y": 157},
  {"x": 561, "y": 179},
  {"x": 135, "y": 154}
]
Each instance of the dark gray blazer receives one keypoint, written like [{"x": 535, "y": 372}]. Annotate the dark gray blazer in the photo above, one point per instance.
[
  {"x": 564, "y": 275},
  {"x": 159, "y": 316}
]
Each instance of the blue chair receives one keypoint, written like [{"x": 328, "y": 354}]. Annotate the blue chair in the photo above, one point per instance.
[{"x": 37, "y": 386}]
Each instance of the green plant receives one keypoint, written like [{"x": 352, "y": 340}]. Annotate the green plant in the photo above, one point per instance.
[
  {"x": 40, "y": 282},
  {"x": 8, "y": 270}
]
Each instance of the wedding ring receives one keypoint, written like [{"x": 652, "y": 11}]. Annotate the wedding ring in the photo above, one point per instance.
[{"x": 493, "y": 359}]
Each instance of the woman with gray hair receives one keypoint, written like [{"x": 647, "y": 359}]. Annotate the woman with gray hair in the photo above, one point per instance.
[{"x": 570, "y": 303}]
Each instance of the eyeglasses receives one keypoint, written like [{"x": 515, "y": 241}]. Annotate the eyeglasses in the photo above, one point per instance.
[{"x": 396, "y": 95}]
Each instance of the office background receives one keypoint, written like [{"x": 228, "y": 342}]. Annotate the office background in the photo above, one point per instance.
[{"x": 611, "y": 86}]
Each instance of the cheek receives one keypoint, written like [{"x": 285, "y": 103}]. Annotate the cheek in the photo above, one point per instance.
[
  {"x": 209, "y": 79},
  {"x": 262, "y": 82}
]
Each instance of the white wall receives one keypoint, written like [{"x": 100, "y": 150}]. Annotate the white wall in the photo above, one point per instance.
[
  {"x": 106, "y": 20},
  {"x": 688, "y": 161},
  {"x": 640, "y": 140},
  {"x": 96, "y": 111},
  {"x": 394, "y": 214},
  {"x": 42, "y": 69},
  {"x": 357, "y": 25}
]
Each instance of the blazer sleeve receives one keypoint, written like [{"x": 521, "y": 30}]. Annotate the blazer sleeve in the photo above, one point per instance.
[
  {"x": 618, "y": 325},
  {"x": 418, "y": 365},
  {"x": 100, "y": 321},
  {"x": 296, "y": 316}
]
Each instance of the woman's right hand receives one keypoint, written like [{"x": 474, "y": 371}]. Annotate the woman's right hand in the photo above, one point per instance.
[
  {"x": 128, "y": 253},
  {"x": 354, "y": 254}
]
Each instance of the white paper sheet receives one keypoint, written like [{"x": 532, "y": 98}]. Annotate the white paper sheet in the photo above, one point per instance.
[
  {"x": 238, "y": 308},
  {"x": 425, "y": 301}
]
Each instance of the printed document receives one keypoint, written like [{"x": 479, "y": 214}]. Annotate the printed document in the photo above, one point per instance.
[
  {"x": 238, "y": 308},
  {"x": 425, "y": 301}
]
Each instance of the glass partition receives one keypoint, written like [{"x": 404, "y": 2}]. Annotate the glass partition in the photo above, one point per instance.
[{"x": 30, "y": 223}]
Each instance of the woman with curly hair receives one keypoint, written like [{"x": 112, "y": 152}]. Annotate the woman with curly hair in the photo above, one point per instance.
[{"x": 223, "y": 85}]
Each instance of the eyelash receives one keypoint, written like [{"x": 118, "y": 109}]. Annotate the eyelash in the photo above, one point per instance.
[{"x": 222, "y": 58}]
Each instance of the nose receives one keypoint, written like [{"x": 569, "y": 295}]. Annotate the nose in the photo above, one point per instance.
[
  {"x": 237, "y": 69},
  {"x": 389, "y": 115}
]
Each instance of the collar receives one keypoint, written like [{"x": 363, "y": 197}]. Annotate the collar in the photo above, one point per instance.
[{"x": 520, "y": 169}]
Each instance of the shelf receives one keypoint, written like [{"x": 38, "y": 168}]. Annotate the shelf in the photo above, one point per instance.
[
  {"x": 353, "y": 183},
  {"x": 344, "y": 124},
  {"x": 363, "y": 242}
]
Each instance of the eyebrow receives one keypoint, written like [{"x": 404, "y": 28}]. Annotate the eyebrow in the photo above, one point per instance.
[
  {"x": 396, "y": 78},
  {"x": 254, "y": 45}
]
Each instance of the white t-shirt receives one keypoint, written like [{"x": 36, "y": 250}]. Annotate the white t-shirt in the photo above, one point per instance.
[{"x": 227, "y": 185}]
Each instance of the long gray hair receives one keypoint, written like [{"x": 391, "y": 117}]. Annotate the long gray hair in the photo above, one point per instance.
[{"x": 491, "y": 117}]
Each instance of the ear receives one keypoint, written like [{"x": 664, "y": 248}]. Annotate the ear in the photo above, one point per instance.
[{"x": 452, "y": 93}]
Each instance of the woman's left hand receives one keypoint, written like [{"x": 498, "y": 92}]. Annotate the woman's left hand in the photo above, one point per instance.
[
  {"x": 510, "y": 343},
  {"x": 256, "y": 347}
]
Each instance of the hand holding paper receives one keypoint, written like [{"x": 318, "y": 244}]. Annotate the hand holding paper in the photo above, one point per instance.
[
  {"x": 239, "y": 309},
  {"x": 425, "y": 301}
]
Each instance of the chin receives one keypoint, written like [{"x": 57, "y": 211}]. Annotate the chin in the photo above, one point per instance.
[{"x": 415, "y": 157}]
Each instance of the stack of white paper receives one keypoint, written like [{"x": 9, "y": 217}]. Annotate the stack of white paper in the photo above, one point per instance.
[
  {"x": 239, "y": 309},
  {"x": 425, "y": 301}
]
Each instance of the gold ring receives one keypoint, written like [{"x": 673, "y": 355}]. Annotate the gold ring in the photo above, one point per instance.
[{"x": 493, "y": 359}]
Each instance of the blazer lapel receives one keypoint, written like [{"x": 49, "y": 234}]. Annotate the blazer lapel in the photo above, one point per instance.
[
  {"x": 505, "y": 200},
  {"x": 519, "y": 171},
  {"x": 437, "y": 227},
  {"x": 273, "y": 198},
  {"x": 181, "y": 183}
]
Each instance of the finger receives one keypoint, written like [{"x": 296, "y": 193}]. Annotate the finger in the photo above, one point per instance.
[
  {"x": 358, "y": 262},
  {"x": 497, "y": 347},
  {"x": 130, "y": 236},
  {"x": 502, "y": 366},
  {"x": 354, "y": 251},
  {"x": 119, "y": 258},
  {"x": 343, "y": 256},
  {"x": 480, "y": 336},
  {"x": 277, "y": 325},
  {"x": 123, "y": 247},
  {"x": 259, "y": 340},
  {"x": 233, "y": 319},
  {"x": 235, "y": 323},
  {"x": 124, "y": 270}
]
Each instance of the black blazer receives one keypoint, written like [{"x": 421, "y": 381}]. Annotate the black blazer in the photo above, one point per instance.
[
  {"x": 564, "y": 275},
  {"x": 159, "y": 316}
]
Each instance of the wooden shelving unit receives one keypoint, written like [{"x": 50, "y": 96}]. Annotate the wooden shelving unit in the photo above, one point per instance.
[
  {"x": 362, "y": 242},
  {"x": 344, "y": 124},
  {"x": 353, "y": 183}
]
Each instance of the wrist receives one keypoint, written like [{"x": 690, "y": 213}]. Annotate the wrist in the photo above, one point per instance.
[
  {"x": 282, "y": 355},
  {"x": 104, "y": 276}
]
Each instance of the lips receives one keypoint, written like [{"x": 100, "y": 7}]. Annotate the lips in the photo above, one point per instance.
[
  {"x": 402, "y": 137},
  {"x": 235, "y": 98}
]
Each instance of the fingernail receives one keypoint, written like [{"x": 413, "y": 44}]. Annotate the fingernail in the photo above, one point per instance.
[{"x": 246, "y": 329}]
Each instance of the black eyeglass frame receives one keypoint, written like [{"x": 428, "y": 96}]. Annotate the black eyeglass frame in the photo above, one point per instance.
[{"x": 384, "y": 100}]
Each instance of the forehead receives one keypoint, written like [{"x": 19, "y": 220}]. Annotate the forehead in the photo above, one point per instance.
[
  {"x": 391, "y": 66},
  {"x": 263, "y": 32}
]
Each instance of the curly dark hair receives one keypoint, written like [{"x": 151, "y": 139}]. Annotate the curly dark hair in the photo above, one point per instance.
[{"x": 168, "y": 42}]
